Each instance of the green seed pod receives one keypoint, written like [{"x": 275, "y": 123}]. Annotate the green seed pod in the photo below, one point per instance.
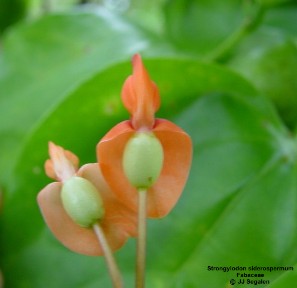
[
  {"x": 82, "y": 201},
  {"x": 143, "y": 160}
]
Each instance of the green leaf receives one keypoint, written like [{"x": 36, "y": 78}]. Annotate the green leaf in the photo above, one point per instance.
[
  {"x": 268, "y": 58},
  {"x": 272, "y": 67},
  {"x": 283, "y": 18},
  {"x": 43, "y": 61},
  {"x": 286, "y": 280},
  {"x": 239, "y": 206},
  {"x": 201, "y": 26},
  {"x": 11, "y": 11}
]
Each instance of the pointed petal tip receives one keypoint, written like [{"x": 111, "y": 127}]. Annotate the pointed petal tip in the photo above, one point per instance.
[
  {"x": 136, "y": 57},
  {"x": 51, "y": 144},
  {"x": 140, "y": 95},
  {"x": 62, "y": 163},
  {"x": 136, "y": 60},
  {"x": 53, "y": 149}
]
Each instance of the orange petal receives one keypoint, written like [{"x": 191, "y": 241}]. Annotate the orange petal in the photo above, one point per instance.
[
  {"x": 119, "y": 222},
  {"x": 140, "y": 96},
  {"x": 177, "y": 146},
  {"x": 163, "y": 195},
  {"x": 62, "y": 163},
  {"x": 74, "y": 237},
  {"x": 49, "y": 169},
  {"x": 110, "y": 154}
]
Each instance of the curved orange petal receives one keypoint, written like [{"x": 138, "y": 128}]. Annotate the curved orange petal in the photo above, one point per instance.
[
  {"x": 110, "y": 154},
  {"x": 119, "y": 222},
  {"x": 49, "y": 169},
  {"x": 71, "y": 235},
  {"x": 177, "y": 146},
  {"x": 163, "y": 195},
  {"x": 140, "y": 96}
]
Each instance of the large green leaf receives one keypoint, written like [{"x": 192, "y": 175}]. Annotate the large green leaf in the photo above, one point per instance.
[
  {"x": 41, "y": 63},
  {"x": 273, "y": 70},
  {"x": 11, "y": 12},
  {"x": 44, "y": 60},
  {"x": 239, "y": 208},
  {"x": 268, "y": 58},
  {"x": 283, "y": 17},
  {"x": 202, "y": 26}
]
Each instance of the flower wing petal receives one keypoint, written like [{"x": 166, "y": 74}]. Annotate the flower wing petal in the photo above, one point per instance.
[
  {"x": 71, "y": 235},
  {"x": 177, "y": 146},
  {"x": 110, "y": 155},
  {"x": 164, "y": 194},
  {"x": 119, "y": 222}
]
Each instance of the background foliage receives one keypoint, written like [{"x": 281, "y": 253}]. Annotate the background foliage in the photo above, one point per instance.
[{"x": 227, "y": 73}]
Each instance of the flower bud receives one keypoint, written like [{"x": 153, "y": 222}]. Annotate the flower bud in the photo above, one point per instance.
[
  {"x": 82, "y": 201},
  {"x": 143, "y": 159}
]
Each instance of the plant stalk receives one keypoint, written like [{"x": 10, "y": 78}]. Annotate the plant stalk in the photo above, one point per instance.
[
  {"x": 141, "y": 240},
  {"x": 113, "y": 269}
]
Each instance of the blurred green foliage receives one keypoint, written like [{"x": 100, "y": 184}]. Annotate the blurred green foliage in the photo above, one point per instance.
[
  {"x": 227, "y": 74},
  {"x": 11, "y": 11}
]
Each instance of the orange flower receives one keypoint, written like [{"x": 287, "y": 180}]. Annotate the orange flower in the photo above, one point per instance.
[
  {"x": 141, "y": 98},
  {"x": 118, "y": 222}
]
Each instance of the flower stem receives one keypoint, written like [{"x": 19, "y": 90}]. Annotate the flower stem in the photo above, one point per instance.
[
  {"x": 109, "y": 258},
  {"x": 141, "y": 240}
]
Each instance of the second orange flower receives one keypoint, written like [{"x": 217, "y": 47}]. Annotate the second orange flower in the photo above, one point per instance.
[{"x": 141, "y": 98}]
